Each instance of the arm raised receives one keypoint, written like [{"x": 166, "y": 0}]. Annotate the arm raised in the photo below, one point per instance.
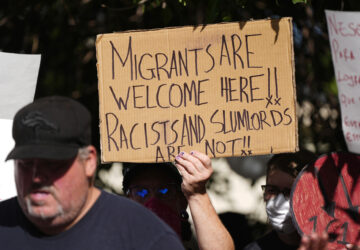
[{"x": 196, "y": 170}]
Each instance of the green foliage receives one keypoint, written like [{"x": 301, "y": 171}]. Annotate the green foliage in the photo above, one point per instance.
[{"x": 299, "y": 1}]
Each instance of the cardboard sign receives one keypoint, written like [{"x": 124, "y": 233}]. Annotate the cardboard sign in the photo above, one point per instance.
[
  {"x": 325, "y": 197},
  {"x": 224, "y": 89},
  {"x": 18, "y": 77},
  {"x": 344, "y": 35}
]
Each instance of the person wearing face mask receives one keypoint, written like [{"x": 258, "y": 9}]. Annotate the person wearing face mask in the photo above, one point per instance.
[
  {"x": 168, "y": 189},
  {"x": 281, "y": 173}
]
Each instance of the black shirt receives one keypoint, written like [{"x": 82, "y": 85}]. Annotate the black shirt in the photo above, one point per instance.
[{"x": 113, "y": 222}]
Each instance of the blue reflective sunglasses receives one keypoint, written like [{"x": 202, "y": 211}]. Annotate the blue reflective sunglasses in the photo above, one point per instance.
[{"x": 142, "y": 193}]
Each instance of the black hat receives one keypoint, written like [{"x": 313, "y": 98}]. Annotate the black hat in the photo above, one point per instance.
[{"x": 51, "y": 128}]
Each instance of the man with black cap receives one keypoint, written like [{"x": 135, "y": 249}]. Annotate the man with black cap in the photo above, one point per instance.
[{"x": 58, "y": 206}]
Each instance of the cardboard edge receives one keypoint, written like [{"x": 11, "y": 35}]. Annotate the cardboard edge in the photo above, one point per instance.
[
  {"x": 100, "y": 90},
  {"x": 291, "y": 48},
  {"x": 258, "y": 153},
  {"x": 201, "y": 27}
]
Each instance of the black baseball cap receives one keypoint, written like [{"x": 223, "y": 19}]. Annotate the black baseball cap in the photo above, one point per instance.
[{"x": 53, "y": 127}]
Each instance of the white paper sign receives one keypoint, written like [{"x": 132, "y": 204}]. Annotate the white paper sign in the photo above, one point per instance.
[
  {"x": 7, "y": 184},
  {"x": 344, "y": 35},
  {"x": 18, "y": 77}
]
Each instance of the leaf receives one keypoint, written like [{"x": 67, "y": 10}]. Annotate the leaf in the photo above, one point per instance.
[{"x": 299, "y": 1}]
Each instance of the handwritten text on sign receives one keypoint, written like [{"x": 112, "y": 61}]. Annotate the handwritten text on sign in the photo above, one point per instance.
[
  {"x": 224, "y": 89},
  {"x": 344, "y": 33}
]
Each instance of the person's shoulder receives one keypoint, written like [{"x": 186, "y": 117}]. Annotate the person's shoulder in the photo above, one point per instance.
[
  {"x": 270, "y": 236},
  {"x": 8, "y": 204},
  {"x": 165, "y": 241},
  {"x": 128, "y": 210},
  {"x": 131, "y": 219},
  {"x": 118, "y": 202},
  {"x": 264, "y": 242},
  {"x": 9, "y": 212},
  {"x": 252, "y": 246}
]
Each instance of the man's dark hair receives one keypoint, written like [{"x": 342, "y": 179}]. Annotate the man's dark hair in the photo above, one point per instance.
[
  {"x": 291, "y": 163},
  {"x": 131, "y": 170}
]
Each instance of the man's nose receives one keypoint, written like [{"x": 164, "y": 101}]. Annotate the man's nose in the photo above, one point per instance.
[
  {"x": 149, "y": 196},
  {"x": 38, "y": 174}
]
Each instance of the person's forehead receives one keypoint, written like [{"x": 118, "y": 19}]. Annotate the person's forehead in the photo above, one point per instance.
[
  {"x": 46, "y": 162},
  {"x": 279, "y": 178},
  {"x": 152, "y": 176}
]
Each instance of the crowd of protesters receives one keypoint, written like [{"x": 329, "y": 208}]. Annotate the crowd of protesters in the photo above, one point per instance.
[{"x": 58, "y": 207}]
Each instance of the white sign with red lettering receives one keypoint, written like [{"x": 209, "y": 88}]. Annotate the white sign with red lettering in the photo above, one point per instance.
[{"x": 344, "y": 36}]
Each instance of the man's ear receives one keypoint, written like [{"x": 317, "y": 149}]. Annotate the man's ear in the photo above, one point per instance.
[{"x": 91, "y": 162}]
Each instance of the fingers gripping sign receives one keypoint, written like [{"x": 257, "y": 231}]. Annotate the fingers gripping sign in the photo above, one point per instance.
[{"x": 196, "y": 170}]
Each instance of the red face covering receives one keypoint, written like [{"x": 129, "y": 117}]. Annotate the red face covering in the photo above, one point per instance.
[{"x": 166, "y": 213}]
